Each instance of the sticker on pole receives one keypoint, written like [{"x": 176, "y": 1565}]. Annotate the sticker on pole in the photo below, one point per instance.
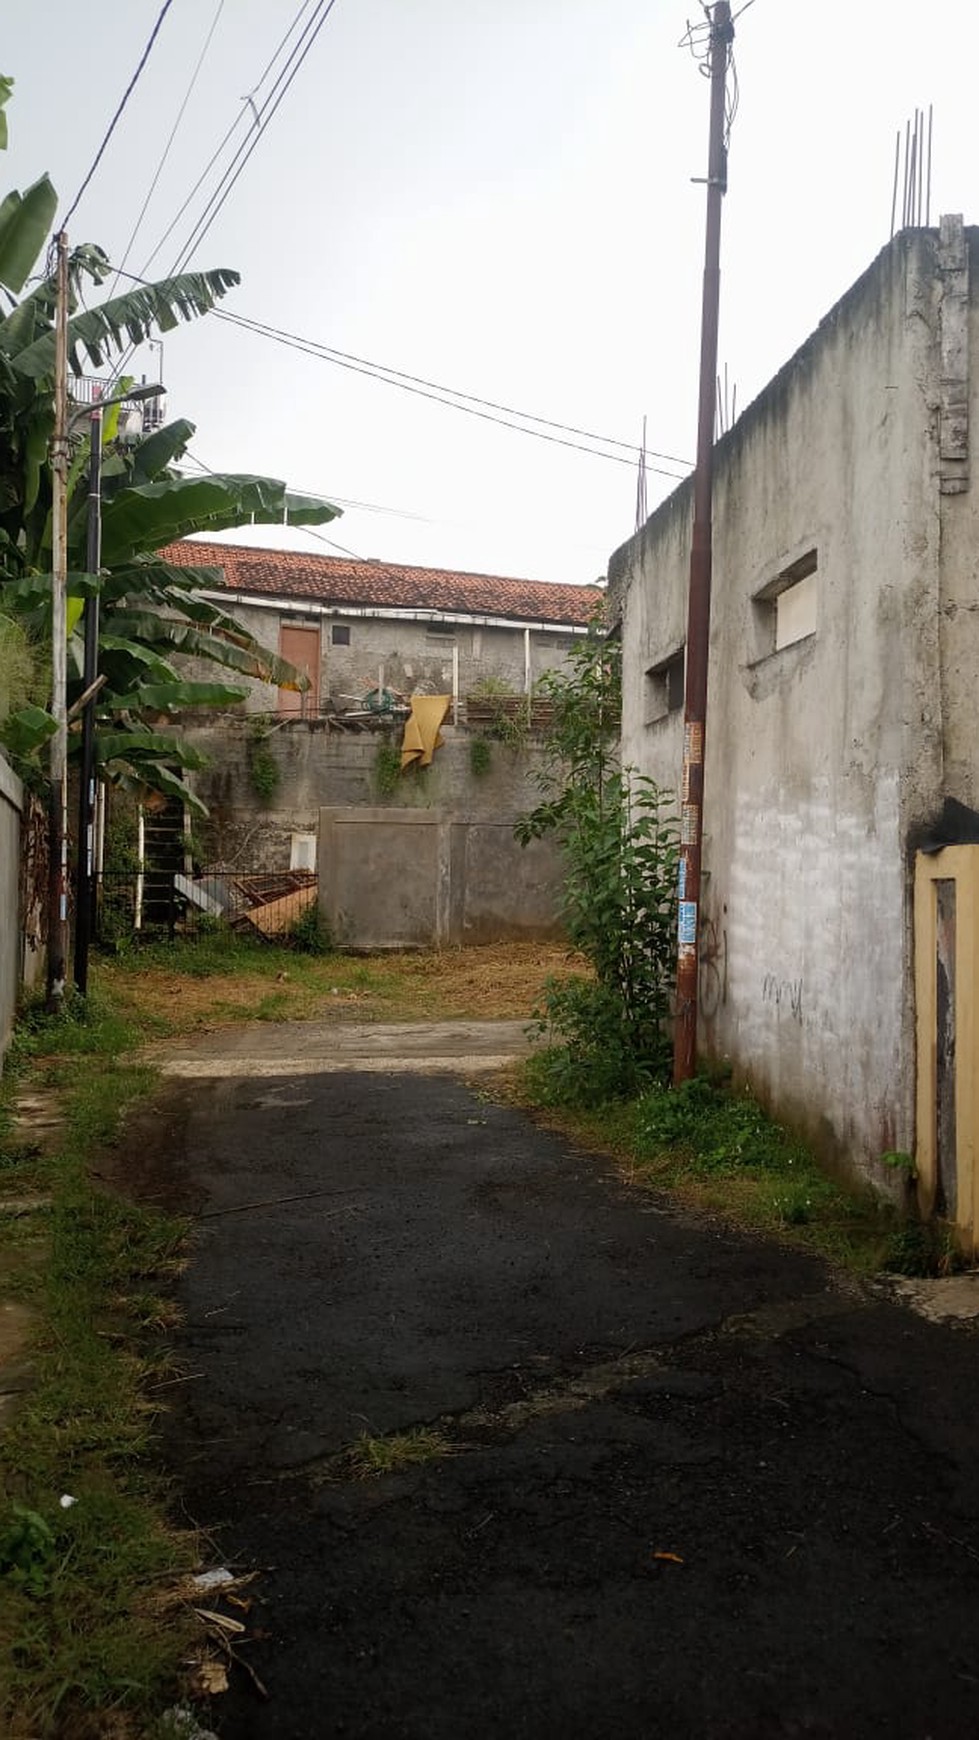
[
  {"x": 681, "y": 880},
  {"x": 693, "y": 741},
  {"x": 687, "y": 926}
]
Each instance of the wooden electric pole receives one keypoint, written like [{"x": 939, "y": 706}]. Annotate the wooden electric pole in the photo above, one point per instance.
[
  {"x": 58, "y": 812},
  {"x": 698, "y": 611}
]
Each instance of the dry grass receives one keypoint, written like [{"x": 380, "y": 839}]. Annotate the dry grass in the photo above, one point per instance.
[{"x": 192, "y": 989}]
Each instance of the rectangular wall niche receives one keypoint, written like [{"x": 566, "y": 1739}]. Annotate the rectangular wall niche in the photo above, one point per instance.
[
  {"x": 785, "y": 610},
  {"x": 664, "y": 687}
]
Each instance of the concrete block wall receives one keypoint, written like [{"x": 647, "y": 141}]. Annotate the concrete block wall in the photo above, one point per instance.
[
  {"x": 421, "y": 878},
  {"x": 319, "y": 768},
  {"x": 824, "y": 757},
  {"x": 416, "y": 655}
]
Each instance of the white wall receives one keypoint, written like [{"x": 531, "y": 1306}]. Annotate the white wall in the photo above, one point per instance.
[{"x": 823, "y": 757}]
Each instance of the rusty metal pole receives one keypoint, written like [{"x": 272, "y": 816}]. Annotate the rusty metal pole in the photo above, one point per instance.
[
  {"x": 698, "y": 610},
  {"x": 58, "y": 795}
]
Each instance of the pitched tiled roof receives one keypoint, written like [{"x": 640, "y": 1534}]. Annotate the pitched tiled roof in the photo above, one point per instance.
[{"x": 339, "y": 580}]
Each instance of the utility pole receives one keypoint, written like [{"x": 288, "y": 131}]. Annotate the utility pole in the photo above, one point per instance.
[
  {"x": 58, "y": 812},
  {"x": 86, "y": 779},
  {"x": 698, "y": 611}
]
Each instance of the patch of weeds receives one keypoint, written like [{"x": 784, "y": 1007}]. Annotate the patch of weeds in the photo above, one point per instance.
[
  {"x": 917, "y": 1247},
  {"x": 17, "y": 1157},
  {"x": 206, "y": 954},
  {"x": 387, "y": 767},
  {"x": 84, "y": 1025},
  {"x": 90, "y": 1628},
  {"x": 717, "y": 1150},
  {"x": 26, "y": 1550},
  {"x": 310, "y": 934},
  {"x": 263, "y": 769},
  {"x": 373, "y": 1457},
  {"x": 480, "y": 756},
  {"x": 605, "y": 1054}
]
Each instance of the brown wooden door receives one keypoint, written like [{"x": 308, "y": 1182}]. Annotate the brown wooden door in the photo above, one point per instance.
[{"x": 301, "y": 646}]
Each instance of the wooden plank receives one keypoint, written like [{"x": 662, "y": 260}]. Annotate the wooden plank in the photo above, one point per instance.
[{"x": 278, "y": 916}]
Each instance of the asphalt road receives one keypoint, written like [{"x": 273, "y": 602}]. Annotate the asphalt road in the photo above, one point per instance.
[{"x": 688, "y": 1484}]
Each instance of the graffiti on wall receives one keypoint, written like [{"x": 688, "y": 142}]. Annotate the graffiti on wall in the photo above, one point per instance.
[
  {"x": 713, "y": 967},
  {"x": 786, "y": 994}
]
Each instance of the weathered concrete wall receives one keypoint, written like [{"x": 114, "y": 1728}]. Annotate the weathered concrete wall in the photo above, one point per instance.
[
  {"x": 11, "y": 936},
  {"x": 396, "y": 878},
  {"x": 824, "y": 758},
  {"x": 958, "y": 414},
  {"x": 417, "y": 655},
  {"x": 318, "y": 768}
]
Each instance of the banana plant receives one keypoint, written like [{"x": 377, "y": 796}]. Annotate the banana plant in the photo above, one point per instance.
[{"x": 151, "y": 614}]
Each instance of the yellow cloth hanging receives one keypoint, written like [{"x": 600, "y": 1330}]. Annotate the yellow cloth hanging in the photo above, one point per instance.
[{"x": 422, "y": 735}]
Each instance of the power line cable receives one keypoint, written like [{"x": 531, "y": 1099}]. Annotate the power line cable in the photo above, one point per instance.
[
  {"x": 236, "y": 123},
  {"x": 310, "y": 530},
  {"x": 154, "y": 33},
  {"x": 454, "y": 397},
  {"x": 385, "y": 369},
  {"x": 250, "y": 100},
  {"x": 311, "y": 348},
  {"x": 167, "y": 147},
  {"x": 235, "y": 169},
  {"x": 344, "y": 501}
]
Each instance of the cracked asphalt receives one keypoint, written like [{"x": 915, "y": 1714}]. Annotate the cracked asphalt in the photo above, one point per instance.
[{"x": 688, "y": 1483}]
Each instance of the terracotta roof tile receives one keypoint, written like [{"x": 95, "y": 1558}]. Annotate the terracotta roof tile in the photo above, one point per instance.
[{"x": 292, "y": 574}]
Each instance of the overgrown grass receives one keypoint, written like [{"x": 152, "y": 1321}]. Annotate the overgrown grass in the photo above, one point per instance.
[
  {"x": 717, "y": 1150},
  {"x": 89, "y": 1635},
  {"x": 220, "y": 977},
  {"x": 371, "y": 1457}
]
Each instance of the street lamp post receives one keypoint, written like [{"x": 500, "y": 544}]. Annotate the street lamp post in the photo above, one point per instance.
[{"x": 85, "y": 882}]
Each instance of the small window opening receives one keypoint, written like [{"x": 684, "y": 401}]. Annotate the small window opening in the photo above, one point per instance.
[
  {"x": 665, "y": 687},
  {"x": 786, "y": 608},
  {"x": 339, "y": 635},
  {"x": 447, "y": 629}
]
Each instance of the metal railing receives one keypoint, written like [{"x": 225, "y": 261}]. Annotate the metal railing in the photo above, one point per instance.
[{"x": 155, "y": 905}]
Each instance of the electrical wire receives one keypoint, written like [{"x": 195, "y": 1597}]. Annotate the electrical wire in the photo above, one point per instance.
[
  {"x": 235, "y": 169},
  {"x": 154, "y": 33},
  {"x": 236, "y": 123},
  {"x": 454, "y": 397},
  {"x": 167, "y": 147},
  {"x": 310, "y": 530},
  {"x": 386, "y": 369},
  {"x": 310, "y": 348}
]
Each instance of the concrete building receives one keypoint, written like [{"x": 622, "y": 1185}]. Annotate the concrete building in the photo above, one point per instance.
[
  {"x": 357, "y": 628},
  {"x": 432, "y": 844},
  {"x": 842, "y": 745}
]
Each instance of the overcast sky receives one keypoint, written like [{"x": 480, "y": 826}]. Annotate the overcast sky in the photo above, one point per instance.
[{"x": 495, "y": 195}]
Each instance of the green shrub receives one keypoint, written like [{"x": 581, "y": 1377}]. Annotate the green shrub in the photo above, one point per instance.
[
  {"x": 311, "y": 934},
  {"x": 480, "y": 756},
  {"x": 263, "y": 769},
  {"x": 618, "y": 899},
  {"x": 387, "y": 767}
]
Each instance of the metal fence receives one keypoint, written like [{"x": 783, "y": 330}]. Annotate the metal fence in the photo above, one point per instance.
[{"x": 151, "y": 905}]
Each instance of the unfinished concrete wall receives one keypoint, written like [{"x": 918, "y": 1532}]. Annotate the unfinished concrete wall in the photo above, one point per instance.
[
  {"x": 396, "y": 878},
  {"x": 317, "y": 768},
  {"x": 957, "y": 412},
  {"x": 419, "y": 654},
  {"x": 11, "y": 934},
  {"x": 825, "y": 728}
]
